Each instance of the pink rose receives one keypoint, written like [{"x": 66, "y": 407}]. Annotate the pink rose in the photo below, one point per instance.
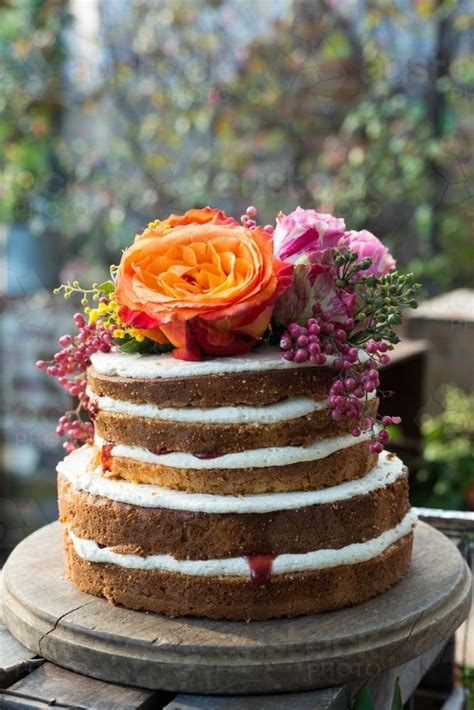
[
  {"x": 305, "y": 231},
  {"x": 367, "y": 244}
]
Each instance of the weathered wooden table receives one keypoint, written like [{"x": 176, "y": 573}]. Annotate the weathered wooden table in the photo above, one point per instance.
[
  {"x": 32, "y": 682},
  {"x": 29, "y": 680}
]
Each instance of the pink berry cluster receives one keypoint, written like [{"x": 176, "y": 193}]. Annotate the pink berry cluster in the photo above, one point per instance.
[
  {"x": 358, "y": 376},
  {"x": 248, "y": 220},
  {"x": 68, "y": 367}
]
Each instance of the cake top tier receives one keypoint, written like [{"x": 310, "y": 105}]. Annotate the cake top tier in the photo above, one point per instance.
[
  {"x": 258, "y": 378},
  {"x": 166, "y": 366}
]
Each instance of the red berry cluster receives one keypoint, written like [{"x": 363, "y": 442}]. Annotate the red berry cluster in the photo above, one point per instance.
[
  {"x": 318, "y": 338},
  {"x": 68, "y": 366},
  {"x": 358, "y": 376}
]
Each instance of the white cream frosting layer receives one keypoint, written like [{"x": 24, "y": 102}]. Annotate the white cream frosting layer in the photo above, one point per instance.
[
  {"x": 149, "y": 366},
  {"x": 250, "y": 458},
  {"x": 76, "y": 468},
  {"x": 238, "y": 567},
  {"x": 279, "y": 412}
]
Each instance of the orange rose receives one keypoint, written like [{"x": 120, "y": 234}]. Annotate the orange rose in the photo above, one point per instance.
[{"x": 201, "y": 282}]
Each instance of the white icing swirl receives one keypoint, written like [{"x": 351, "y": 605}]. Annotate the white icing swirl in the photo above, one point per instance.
[
  {"x": 76, "y": 468},
  {"x": 238, "y": 567},
  {"x": 250, "y": 458},
  {"x": 278, "y": 412}
]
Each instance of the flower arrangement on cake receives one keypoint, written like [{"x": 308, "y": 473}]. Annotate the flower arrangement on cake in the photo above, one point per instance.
[
  {"x": 203, "y": 285},
  {"x": 226, "y": 459}
]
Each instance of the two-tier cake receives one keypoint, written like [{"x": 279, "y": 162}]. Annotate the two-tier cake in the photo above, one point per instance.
[{"x": 224, "y": 480}]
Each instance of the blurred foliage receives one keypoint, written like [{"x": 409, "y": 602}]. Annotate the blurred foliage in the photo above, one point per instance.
[
  {"x": 132, "y": 110},
  {"x": 444, "y": 476},
  {"x": 31, "y": 58},
  {"x": 467, "y": 679},
  {"x": 380, "y": 139}
]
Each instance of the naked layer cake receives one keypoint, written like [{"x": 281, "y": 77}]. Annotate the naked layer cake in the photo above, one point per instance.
[{"x": 221, "y": 476}]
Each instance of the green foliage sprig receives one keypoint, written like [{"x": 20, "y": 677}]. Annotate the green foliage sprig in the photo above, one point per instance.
[
  {"x": 94, "y": 293},
  {"x": 380, "y": 301}
]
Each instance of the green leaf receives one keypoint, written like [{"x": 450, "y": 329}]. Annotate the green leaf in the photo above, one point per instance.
[
  {"x": 397, "y": 703},
  {"x": 363, "y": 700},
  {"x": 129, "y": 346},
  {"x": 159, "y": 349},
  {"x": 145, "y": 347},
  {"x": 107, "y": 287}
]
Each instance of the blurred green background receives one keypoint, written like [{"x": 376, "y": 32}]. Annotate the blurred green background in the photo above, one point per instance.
[{"x": 115, "y": 112}]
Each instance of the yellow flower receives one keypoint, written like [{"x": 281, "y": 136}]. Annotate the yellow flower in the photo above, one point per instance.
[
  {"x": 136, "y": 334},
  {"x": 93, "y": 314}
]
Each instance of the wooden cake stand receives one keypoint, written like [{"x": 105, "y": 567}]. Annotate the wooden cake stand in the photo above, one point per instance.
[{"x": 86, "y": 634}]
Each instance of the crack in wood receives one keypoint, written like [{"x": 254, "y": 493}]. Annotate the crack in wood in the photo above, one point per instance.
[
  {"x": 60, "y": 618},
  {"x": 453, "y": 623},
  {"x": 398, "y": 647},
  {"x": 460, "y": 615}
]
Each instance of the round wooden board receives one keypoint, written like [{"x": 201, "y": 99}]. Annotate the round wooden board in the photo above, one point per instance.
[{"x": 86, "y": 634}]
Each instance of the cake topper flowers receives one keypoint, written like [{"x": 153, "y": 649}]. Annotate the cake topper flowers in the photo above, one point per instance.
[{"x": 204, "y": 285}]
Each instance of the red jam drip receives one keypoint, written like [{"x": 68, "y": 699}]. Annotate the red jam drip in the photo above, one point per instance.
[
  {"x": 205, "y": 455},
  {"x": 106, "y": 455},
  {"x": 92, "y": 410},
  {"x": 260, "y": 567},
  {"x": 198, "y": 454}
]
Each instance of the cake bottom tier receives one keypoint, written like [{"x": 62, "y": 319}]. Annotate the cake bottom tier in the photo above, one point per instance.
[{"x": 236, "y": 598}]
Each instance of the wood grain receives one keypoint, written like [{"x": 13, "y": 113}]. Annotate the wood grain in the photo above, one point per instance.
[
  {"x": 83, "y": 633},
  {"x": 50, "y": 683},
  {"x": 325, "y": 699}
]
